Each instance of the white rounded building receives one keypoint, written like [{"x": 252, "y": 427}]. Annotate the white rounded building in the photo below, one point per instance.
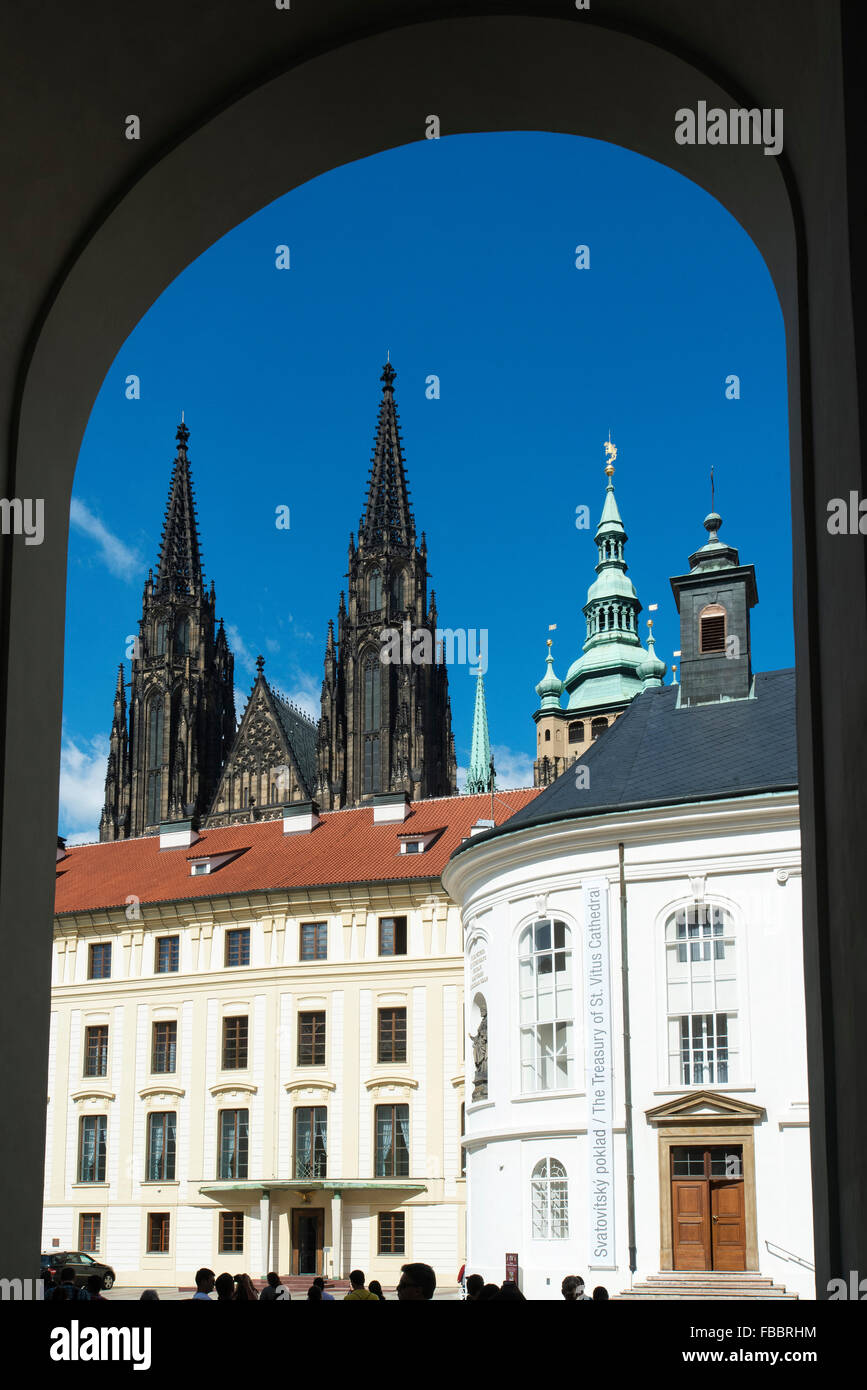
[{"x": 637, "y": 1092}]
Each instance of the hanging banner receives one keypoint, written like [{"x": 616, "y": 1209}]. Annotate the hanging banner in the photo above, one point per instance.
[{"x": 599, "y": 1051}]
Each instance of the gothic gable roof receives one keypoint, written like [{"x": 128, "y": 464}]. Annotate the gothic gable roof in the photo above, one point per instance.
[
  {"x": 270, "y": 725},
  {"x": 301, "y": 735}
]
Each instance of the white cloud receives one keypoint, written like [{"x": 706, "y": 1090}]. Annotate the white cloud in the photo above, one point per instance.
[
  {"x": 512, "y": 769},
  {"x": 239, "y": 649},
  {"x": 82, "y": 787},
  {"x": 305, "y": 690},
  {"x": 120, "y": 558}
]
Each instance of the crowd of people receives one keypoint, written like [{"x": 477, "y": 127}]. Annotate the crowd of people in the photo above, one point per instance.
[{"x": 417, "y": 1285}]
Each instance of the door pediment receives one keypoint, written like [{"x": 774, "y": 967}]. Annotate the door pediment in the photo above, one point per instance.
[{"x": 706, "y": 1107}]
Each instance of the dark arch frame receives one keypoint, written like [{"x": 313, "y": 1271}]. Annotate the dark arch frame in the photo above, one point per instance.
[{"x": 615, "y": 83}]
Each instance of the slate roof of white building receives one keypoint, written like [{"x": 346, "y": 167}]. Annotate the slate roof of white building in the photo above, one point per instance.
[{"x": 656, "y": 754}]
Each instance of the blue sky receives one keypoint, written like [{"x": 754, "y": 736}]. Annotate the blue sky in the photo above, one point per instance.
[{"x": 458, "y": 257}]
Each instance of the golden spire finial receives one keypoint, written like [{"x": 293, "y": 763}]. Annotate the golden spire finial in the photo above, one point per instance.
[
  {"x": 550, "y": 643},
  {"x": 611, "y": 454}
]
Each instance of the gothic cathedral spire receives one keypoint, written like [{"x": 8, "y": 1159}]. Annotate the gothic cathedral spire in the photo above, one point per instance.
[
  {"x": 182, "y": 711},
  {"x": 480, "y": 775},
  {"x": 385, "y": 724}
]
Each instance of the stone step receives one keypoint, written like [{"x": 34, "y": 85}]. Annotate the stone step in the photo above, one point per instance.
[{"x": 706, "y": 1285}]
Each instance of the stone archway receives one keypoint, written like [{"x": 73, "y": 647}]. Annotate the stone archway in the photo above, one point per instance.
[{"x": 477, "y": 73}]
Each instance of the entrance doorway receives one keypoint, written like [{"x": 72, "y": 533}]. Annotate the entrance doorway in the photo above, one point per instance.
[
  {"x": 308, "y": 1224},
  {"x": 708, "y": 1208}
]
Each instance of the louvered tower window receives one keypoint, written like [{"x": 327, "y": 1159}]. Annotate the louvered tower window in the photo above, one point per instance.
[{"x": 712, "y": 628}]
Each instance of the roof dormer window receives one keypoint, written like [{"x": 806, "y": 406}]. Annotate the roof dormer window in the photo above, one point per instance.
[{"x": 419, "y": 842}]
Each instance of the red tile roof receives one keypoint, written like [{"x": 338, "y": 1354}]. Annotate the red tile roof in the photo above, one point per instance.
[{"x": 346, "y": 847}]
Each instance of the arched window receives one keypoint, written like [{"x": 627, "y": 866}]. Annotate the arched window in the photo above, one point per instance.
[
  {"x": 397, "y": 589},
  {"x": 550, "y": 1200},
  {"x": 546, "y": 1007},
  {"x": 601, "y": 619},
  {"x": 374, "y": 590},
  {"x": 712, "y": 628},
  {"x": 160, "y": 638},
  {"x": 154, "y": 760},
  {"x": 547, "y": 735},
  {"x": 701, "y": 983},
  {"x": 597, "y": 727},
  {"x": 372, "y": 690},
  {"x": 182, "y": 636},
  {"x": 576, "y": 732}
]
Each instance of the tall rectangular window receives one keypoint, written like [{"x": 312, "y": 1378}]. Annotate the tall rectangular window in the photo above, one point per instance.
[
  {"x": 234, "y": 1143},
  {"x": 164, "y": 1056},
  {"x": 392, "y": 936},
  {"x": 158, "y": 1232},
  {"x": 234, "y": 1043},
  {"x": 314, "y": 940},
  {"x": 392, "y": 1233},
  {"x": 311, "y": 1039},
  {"x": 392, "y": 1141},
  {"x": 463, "y": 1131},
  {"x": 391, "y": 1036},
  {"x": 91, "y": 1148},
  {"x": 546, "y": 1006},
  {"x": 702, "y": 996},
  {"x": 96, "y": 1050},
  {"x": 89, "y": 1228},
  {"x": 168, "y": 954},
  {"x": 311, "y": 1146},
  {"x": 100, "y": 961},
  {"x": 161, "y": 1146},
  {"x": 238, "y": 946},
  {"x": 704, "y": 1049},
  {"x": 231, "y": 1232}
]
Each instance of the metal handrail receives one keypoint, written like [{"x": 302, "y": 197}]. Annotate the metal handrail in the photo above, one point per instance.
[{"x": 784, "y": 1254}]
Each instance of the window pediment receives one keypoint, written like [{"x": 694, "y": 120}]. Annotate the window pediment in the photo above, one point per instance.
[
  {"x": 92, "y": 1094},
  {"x": 162, "y": 1092},
  {"x": 386, "y": 1086},
  {"x": 233, "y": 1089},
  {"x": 309, "y": 1090}
]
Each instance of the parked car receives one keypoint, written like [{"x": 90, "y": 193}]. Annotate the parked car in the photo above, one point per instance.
[{"x": 82, "y": 1264}]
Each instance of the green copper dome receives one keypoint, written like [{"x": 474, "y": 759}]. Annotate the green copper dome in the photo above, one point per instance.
[
  {"x": 607, "y": 672},
  {"x": 651, "y": 670},
  {"x": 550, "y": 687}
]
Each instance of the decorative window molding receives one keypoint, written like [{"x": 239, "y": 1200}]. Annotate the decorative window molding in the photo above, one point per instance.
[
  {"x": 383, "y": 1084},
  {"x": 233, "y": 1088},
  {"x": 92, "y": 1093},
  {"x": 160, "y": 1092},
  {"x": 309, "y": 1087}
]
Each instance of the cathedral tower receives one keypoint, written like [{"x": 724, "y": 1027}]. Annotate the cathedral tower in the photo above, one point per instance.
[
  {"x": 385, "y": 723},
  {"x": 181, "y": 719}
]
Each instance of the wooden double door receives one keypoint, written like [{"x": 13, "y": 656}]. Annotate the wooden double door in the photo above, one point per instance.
[{"x": 707, "y": 1208}]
